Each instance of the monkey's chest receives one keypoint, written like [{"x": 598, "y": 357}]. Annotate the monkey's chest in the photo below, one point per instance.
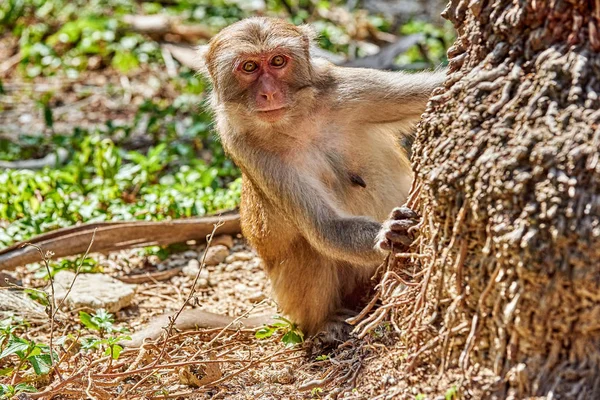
[
  {"x": 349, "y": 182},
  {"x": 369, "y": 182}
]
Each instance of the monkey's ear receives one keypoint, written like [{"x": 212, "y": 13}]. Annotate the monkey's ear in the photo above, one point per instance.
[{"x": 202, "y": 52}]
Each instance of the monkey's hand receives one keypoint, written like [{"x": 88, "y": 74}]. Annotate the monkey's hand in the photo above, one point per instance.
[{"x": 396, "y": 235}]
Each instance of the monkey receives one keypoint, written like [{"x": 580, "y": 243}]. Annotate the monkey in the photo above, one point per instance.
[
  {"x": 319, "y": 150},
  {"x": 321, "y": 162}
]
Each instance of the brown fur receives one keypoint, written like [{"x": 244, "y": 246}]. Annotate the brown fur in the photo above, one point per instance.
[{"x": 302, "y": 209}]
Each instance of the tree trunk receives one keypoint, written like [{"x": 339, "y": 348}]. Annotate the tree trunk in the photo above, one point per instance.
[{"x": 508, "y": 181}]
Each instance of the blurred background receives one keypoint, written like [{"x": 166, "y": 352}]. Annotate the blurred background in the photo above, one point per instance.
[{"x": 101, "y": 113}]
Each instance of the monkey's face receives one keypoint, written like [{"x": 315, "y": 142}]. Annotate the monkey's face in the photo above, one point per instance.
[
  {"x": 265, "y": 78},
  {"x": 258, "y": 68}
]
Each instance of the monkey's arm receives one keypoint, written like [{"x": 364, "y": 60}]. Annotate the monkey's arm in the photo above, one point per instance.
[
  {"x": 342, "y": 237},
  {"x": 372, "y": 96}
]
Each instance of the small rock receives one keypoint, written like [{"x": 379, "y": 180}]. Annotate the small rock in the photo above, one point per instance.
[
  {"x": 215, "y": 255},
  {"x": 284, "y": 376},
  {"x": 240, "y": 288},
  {"x": 202, "y": 283},
  {"x": 170, "y": 263},
  {"x": 257, "y": 296},
  {"x": 240, "y": 256},
  {"x": 93, "y": 291},
  {"x": 234, "y": 266},
  {"x": 191, "y": 269},
  {"x": 190, "y": 254},
  {"x": 153, "y": 259},
  {"x": 224, "y": 240},
  {"x": 388, "y": 380}
]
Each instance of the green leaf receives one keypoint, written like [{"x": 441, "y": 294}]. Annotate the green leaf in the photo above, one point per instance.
[
  {"x": 15, "y": 346},
  {"x": 323, "y": 357},
  {"x": 285, "y": 320},
  {"x": 451, "y": 393},
  {"x": 116, "y": 351},
  {"x": 24, "y": 387},
  {"x": 41, "y": 363},
  {"x": 90, "y": 343},
  {"x": 87, "y": 321},
  {"x": 48, "y": 117},
  {"x": 264, "y": 332},
  {"x": 292, "y": 338},
  {"x": 6, "y": 390},
  {"x": 125, "y": 61}
]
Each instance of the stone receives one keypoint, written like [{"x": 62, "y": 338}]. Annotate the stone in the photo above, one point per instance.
[
  {"x": 240, "y": 256},
  {"x": 215, "y": 255},
  {"x": 191, "y": 269},
  {"x": 283, "y": 376},
  {"x": 224, "y": 240},
  {"x": 92, "y": 291},
  {"x": 240, "y": 288},
  {"x": 234, "y": 266},
  {"x": 202, "y": 283},
  {"x": 170, "y": 263},
  {"x": 256, "y": 296},
  {"x": 190, "y": 254}
]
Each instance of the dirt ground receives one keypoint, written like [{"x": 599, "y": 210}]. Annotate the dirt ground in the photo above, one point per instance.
[{"x": 240, "y": 366}]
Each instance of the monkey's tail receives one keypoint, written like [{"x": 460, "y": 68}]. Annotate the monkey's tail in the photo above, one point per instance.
[{"x": 191, "y": 319}]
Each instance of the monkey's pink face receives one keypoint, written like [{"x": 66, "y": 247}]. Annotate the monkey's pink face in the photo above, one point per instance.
[{"x": 264, "y": 76}]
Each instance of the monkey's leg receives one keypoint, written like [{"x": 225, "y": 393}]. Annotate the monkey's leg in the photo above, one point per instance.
[
  {"x": 395, "y": 234},
  {"x": 307, "y": 289}
]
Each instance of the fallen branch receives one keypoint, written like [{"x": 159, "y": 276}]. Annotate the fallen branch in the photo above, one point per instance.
[{"x": 111, "y": 236}]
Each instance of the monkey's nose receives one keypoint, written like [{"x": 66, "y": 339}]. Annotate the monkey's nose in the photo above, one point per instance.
[{"x": 268, "y": 96}]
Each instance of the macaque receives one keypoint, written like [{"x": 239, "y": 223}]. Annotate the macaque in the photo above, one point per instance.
[
  {"x": 318, "y": 147},
  {"x": 322, "y": 165}
]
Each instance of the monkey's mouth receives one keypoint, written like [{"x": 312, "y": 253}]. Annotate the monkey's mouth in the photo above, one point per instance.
[{"x": 271, "y": 115}]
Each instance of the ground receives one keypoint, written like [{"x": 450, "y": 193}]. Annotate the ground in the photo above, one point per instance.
[{"x": 245, "y": 367}]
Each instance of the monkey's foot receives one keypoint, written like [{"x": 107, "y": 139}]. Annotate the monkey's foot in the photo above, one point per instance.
[
  {"x": 395, "y": 234},
  {"x": 333, "y": 333}
]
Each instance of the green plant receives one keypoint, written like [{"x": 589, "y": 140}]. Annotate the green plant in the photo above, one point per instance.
[
  {"x": 100, "y": 321},
  {"x": 110, "y": 344},
  {"x": 452, "y": 393},
  {"x": 88, "y": 266},
  {"x": 291, "y": 334},
  {"x": 9, "y": 391},
  {"x": 37, "y": 355}
]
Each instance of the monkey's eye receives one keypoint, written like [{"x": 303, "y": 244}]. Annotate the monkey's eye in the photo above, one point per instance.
[
  {"x": 278, "y": 61},
  {"x": 249, "y": 66}
]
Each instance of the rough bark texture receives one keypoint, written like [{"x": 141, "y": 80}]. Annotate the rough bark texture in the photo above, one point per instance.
[{"x": 508, "y": 180}]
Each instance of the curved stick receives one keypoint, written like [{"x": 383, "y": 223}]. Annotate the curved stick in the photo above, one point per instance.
[{"x": 111, "y": 236}]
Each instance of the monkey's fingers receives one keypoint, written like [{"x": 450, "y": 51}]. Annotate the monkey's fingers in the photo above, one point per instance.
[
  {"x": 398, "y": 239},
  {"x": 385, "y": 245},
  {"x": 402, "y": 225},
  {"x": 400, "y": 213}
]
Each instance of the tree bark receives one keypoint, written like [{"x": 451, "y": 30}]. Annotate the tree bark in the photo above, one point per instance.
[{"x": 507, "y": 162}]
